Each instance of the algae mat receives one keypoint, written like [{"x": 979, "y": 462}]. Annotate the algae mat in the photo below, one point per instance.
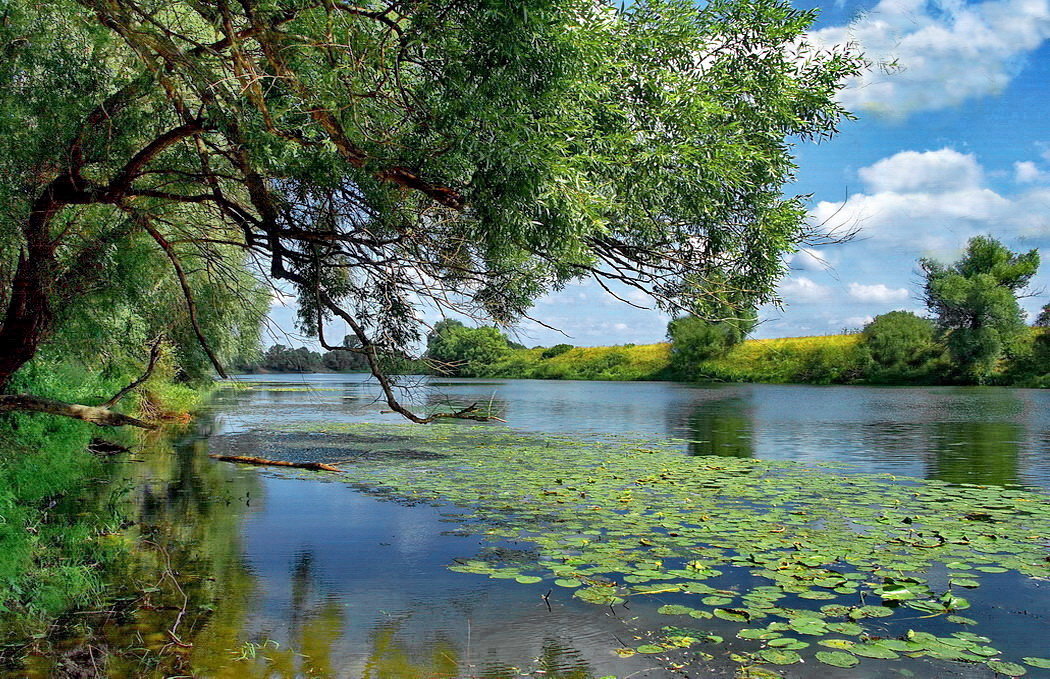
[{"x": 813, "y": 564}]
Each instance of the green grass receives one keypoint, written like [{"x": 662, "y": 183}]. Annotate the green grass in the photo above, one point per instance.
[
  {"x": 624, "y": 362},
  {"x": 51, "y": 557},
  {"x": 825, "y": 359},
  {"x": 816, "y": 360}
]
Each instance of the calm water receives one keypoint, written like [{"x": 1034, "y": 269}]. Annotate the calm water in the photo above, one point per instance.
[
  {"x": 313, "y": 578},
  {"x": 966, "y": 435}
]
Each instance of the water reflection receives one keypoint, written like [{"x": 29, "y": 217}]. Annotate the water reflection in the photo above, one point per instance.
[
  {"x": 722, "y": 427},
  {"x": 970, "y": 434},
  {"x": 975, "y": 452}
]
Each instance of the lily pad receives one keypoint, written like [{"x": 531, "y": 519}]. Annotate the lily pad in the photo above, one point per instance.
[{"x": 837, "y": 658}]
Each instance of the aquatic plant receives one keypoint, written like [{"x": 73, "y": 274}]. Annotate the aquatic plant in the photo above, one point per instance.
[{"x": 811, "y": 562}]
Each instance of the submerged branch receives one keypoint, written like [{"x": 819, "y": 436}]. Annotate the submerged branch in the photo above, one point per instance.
[{"x": 244, "y": 459}]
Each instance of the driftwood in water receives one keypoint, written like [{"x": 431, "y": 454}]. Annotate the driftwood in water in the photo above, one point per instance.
[{"x": 244, "y": 459}]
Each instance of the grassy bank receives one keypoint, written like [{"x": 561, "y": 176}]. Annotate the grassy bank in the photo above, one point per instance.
[
  {"x": 824, "y": 359},
  {"x": 830, "y": 359},
  {"x": 51, "y": 556}
]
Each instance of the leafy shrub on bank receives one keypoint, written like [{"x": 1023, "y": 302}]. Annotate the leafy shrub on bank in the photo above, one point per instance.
[{"x": 902, "y": 347}]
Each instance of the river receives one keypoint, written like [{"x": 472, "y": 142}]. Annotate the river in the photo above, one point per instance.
[{"x": 299, "y": 575}]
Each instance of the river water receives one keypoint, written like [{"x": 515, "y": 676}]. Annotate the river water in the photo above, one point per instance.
[{"x": 308, "y": 577}]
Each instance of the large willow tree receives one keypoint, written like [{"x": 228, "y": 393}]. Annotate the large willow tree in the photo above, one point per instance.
[{"x": 382, "y": 156}]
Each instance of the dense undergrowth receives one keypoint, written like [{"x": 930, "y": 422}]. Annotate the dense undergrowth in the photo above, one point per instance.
[{"x": 51, "y": 557}]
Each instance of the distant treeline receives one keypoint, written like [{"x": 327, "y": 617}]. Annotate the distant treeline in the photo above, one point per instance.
[
  {"x": 975, "y": 334},
  {"x": 282, "y": 359}
]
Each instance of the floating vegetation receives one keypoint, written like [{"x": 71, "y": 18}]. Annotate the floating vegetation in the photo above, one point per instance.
[{"x": 813, "y": 563}]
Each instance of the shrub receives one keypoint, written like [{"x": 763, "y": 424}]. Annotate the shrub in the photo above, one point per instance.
[
  {"x": 556, "y": 350},
  {"x": 901, "y": 345},
  {"x": 695, "y": 340}
]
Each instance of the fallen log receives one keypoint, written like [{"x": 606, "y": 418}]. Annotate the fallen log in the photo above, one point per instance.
[
  {"x": 244, "y": 459},
  {"x": 97, "y": 415}
]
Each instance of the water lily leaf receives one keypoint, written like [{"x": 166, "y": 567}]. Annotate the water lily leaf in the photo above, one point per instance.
[
  {"x": 567, "y": 582},
  {"x": 790, "y": 644},
  {"x": 780, "y": 657},
  {"x": 874, "y": 651},
  {"x": 1008, "y": 668},
  {"x": 843, "y": 644},
  {"x": 845, "y": 628},
  {"x": 650, "y": 648},
  {"x": 750, "y": 633},
  {"x": 528, "y": 579},
  {"x": 1041, "y": 663},
  {"x": 716, "y": 600},
  {"x": 625, "y": 652},
  {"x": 837, "y": 658},
  {"x": 733, "y": 614},
  {"x": 674, "y": 609}
]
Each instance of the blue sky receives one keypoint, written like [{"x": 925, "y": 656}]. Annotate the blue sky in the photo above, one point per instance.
[{"x": 953, "y": 143}]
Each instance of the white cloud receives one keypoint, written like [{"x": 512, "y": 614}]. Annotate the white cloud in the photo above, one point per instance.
[
  {"x": 808, "y": 259},
  {"x": 857, "y": 321},
  {"x": 803, "y": 289},
  {"x": 946, "y": 52},
  {"x": 876, "y": 293},
  {"x": 1027, "y": 172},
  {"x": 923, "y": 172},
  {"x": 914, "y": 204}
]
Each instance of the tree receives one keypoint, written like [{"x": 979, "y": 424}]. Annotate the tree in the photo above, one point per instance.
[
  {"x": 900, "y": 343},
  {"x": 695, "y": 340},
  {"x": 468, "y": 155},
  {"x": 346, "y": 361},
  {"x": 460, "y": 350},
  {"x": 1043, "y": 319},
  {"x": 975, "y": 300}
]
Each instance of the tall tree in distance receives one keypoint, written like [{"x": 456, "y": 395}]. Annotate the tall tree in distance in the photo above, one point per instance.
[
  {"x": 976, "y": 303},
  {"x": 386, "y": 156}
]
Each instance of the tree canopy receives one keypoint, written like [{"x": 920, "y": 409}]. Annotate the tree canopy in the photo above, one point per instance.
[
  {"x": 975, "y": 300},
  {"x": 390, "y": 156}
]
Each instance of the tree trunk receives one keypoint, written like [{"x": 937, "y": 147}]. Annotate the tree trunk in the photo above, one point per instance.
[{"x": 103, "y": 417}]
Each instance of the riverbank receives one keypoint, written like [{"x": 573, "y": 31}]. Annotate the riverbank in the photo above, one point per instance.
[
  {"x": 822, "y": 359},
  {"x": 52, "y": 556}
]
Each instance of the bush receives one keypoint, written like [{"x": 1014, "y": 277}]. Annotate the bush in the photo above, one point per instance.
[
  {"x": 901, "y": 345},
  {"x": 556, "y": 350},
  {"x": 470, "y": 352},
  {"x": 695, "y": 340}
]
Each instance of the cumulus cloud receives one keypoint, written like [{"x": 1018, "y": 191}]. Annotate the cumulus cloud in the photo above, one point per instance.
[
  {"x": 808, "y": 259},
  {"x": 876, "y": 293},
  {"x": 802, "y": 289},
  {"x": 944, "y": 52},
  {"x": 1027, "y": 172},
  {"x": 923, "y": 172},
  {"x": 932, "y": 202}
]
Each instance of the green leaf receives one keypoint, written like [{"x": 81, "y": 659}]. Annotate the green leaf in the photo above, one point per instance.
[{"x": 837, "y": 658}]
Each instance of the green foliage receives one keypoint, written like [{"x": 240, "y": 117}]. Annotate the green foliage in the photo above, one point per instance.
[
  {"x": 902, "y": 346},
  {"x": 469, "y": 352},
  {"x": 695, "y": 340},
  {"x": 1043, "y": 319},
  {"x": 975, "y": 300},
  {"x": 556, "y": 350},
  {"x": 460, "y": 151}
]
